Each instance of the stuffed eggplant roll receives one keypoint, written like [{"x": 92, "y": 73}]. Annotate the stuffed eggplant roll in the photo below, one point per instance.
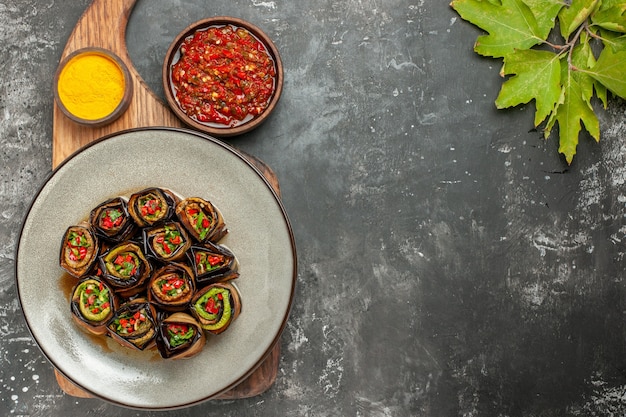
[
  {"x": 168, "y": 242},
  {"x": 172, "y": 287},
  {"x": 125, "y": 268},
  {"x": 202, "y": 219},
  {"x": 152, "y": 206},
  {"x": 180, "y": 336},
  {"x": 93, "y": 304},
  {"x": 213, "y": 263},
  {"x": 134, "y": 325},
  {"x": 216, "y": 307},
  {"x": 111, "y": 220},
  {"x": 79, "y": 250}
]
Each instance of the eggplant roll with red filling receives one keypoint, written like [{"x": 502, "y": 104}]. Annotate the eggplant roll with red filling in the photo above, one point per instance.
[
  {"x": 202, "y": 219},
  {"x": 79, "y": 250},
  {"x": 93, "y": 304},
  {"x": 126, "y": 268},
  {"x": 152, "y": 206},
  {"x": 168, "y": 242},
  {"x": 216, "y": 307},
  {"x": 180, "y": 336},
  {"x": 213, "y": 263},
  {"x": 134, "y": 325},
  {"x": 171, "y": 287},
  {"x": 111, "y": 221}
]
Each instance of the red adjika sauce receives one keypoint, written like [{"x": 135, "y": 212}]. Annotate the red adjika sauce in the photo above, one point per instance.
[{"x": 224, "y": 76}]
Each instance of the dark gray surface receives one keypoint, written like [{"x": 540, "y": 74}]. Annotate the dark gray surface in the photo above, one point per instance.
[{"x": 451, "y": 264}]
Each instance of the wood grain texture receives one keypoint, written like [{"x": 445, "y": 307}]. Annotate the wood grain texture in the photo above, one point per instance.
[{"x": 104, "y": 25}]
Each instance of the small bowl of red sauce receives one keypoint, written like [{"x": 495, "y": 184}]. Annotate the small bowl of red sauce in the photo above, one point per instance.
[{"x": 222, "y": 76}]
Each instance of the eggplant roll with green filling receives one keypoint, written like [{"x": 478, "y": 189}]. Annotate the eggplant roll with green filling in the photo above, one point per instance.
[
  {"x": 202, "y": 219},
  {"x": 125, "y": 268},
  {"x": 134, "y": 325},
  {"x": 168, "y": 242},
  {"x": 216, "y": 307},
  {"x": 79, "y": 249},
  {"x": 152, "y": 206},
  {"x": 180, "y": 336},
  {"x": 171, "y": 287},
  {"x": 111, "y": 221},
  {"x": 213, "y": 263},
  {"x": 93, "y": 304}
]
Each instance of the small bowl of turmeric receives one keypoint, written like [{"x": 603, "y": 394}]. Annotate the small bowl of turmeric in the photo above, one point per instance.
[{"x": 92, "y": 87}]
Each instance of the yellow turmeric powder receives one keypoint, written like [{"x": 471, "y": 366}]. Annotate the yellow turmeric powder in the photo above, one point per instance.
[{"x": 91, "y": 86}]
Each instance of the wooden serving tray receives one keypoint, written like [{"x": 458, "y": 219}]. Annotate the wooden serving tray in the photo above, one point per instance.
[{"x": 104, "y": 25}]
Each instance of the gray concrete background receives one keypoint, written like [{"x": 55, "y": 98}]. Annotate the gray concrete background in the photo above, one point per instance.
[{"x": 451, "y": 264}]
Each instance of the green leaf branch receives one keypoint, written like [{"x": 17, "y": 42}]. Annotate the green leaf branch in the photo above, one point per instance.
[{"x": 558, "y": 54}]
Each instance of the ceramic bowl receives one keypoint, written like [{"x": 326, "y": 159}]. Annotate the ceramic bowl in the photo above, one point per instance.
[
  {"x": 79, "y": 99},
  {"x": 173, "y": 55}
]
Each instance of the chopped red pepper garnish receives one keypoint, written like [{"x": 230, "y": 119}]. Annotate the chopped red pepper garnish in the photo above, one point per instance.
[
  {"x": 111, "y": 218},
  {"x": 210, "y": 306},
  {"x": 166, "y": 248},
  {"x": 214, "y": 260},
  {"x": 150, "y": 207},
  {"x": 77, "y": 244},
  {"x": 178, "y": 328}
]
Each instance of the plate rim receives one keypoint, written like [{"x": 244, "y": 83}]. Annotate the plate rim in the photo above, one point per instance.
[{"x": 214, "y": 141}]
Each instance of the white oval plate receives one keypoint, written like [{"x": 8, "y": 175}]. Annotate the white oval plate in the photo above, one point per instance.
[{"x": 189, "y": 164}]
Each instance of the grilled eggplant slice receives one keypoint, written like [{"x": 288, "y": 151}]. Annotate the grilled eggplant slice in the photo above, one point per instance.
[
  {"x": 152, "y": 206},
  {"x": 93, "y": 304},
  {"x": 180, "y": 336},
  {"x": 202, "y": 219},
  {"x": 126, "y": 268},
  {"x": 216, "y": 307},
  {"x": 79, "y": 249},
  {"x": 171, "y": 287},
  {"x": 168, "y": 242},
  {"x": 213, "y": 263},
  {"x": 134, "y": 325},
  {"x": 111, "y": 221}
]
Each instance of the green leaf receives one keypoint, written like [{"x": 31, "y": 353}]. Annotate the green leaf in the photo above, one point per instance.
[
  {"x": 545, "y": 12},
  {"x": 571, "y": 17},
  {"x": 510, "y": 26},
  {"x": 563, "y": 75},
  {"x": 611, "y": 39},
  {"x": 583, "y": 58},
  {"x": 572, "y": 111},
  {"x": 602, "y": 94},
  {"x": 611, "y": 15},
  {"x": 537, "y": 76},
  {"x": 610, "y": 70}
]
